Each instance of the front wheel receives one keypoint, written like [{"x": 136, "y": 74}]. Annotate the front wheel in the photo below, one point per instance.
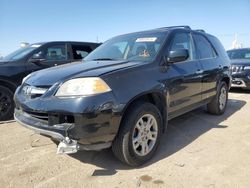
[
  {"x": 6, "y": 104},
  {"x": 139, "y": 134},
  {"x": 218, "y": 104}
]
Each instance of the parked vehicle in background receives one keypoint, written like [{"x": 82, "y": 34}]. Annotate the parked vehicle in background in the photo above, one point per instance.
[
  {"x": 126, "y": 91},
  {"x": 240, "y": 67},
  {"x": 15, "y": 66}
]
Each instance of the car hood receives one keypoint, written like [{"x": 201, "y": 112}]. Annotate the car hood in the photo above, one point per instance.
[
  {"x": 48, "y": 77},
  {"x": 240, "y": 62},
  {"x": 2, "y": 62}
]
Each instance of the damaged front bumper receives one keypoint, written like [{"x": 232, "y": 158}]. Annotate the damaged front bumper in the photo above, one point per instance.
[
  {"x": 57, "y": 132},
  {"x": 41, "y": 127}
]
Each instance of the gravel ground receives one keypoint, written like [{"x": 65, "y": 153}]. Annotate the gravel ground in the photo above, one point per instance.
[{"x": 198, "y": 150}]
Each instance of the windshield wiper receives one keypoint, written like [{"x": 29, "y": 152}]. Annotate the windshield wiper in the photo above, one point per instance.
[{"x": 104, "y": 59}]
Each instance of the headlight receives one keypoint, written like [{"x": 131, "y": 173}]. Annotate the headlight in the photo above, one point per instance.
[
  {"x": 247, "y": 68},
  {"x": 25, "y": 78},
  {"x": 82, "y": 87}
]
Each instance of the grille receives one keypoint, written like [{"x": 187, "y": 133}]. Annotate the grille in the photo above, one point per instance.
[
  {"x": 32, "y": 92},
  {"x": 237, "y": 69},
  {"x": 51, "y": 119},
  {"x": 39, "y": 115}
]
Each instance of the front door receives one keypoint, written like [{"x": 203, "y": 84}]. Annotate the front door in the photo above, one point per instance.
[
  {"x": 53, "y": 55},
  {"x": 184, "y": 78}
]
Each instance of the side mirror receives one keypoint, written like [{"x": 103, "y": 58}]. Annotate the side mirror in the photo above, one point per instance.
[
  {"x": 177, "y": 55},
  {"x": 36, "y": 58}
]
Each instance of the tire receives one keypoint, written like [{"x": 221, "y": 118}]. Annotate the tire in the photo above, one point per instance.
[
  {"x": 219, "y": 103},
  {"x": 6, "y": 104},
  {"x": 55, "y": 141},
  {"x": 128, "y": 143}
]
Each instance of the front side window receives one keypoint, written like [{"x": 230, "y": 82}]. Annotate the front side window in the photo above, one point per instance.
[
  {"x": 54, "y": 53},
  {"x": 132, "y": 47},
  {"x": 239, "y": 54},
  {"x": 204, "y": 48},
  {"x": 183, "y": 41}
]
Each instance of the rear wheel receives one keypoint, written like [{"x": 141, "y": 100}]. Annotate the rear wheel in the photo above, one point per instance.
[
  {"x": 6, "y": 103},
  {"x": 139, "y": 134},
  {"x": 218, "y": 105}
]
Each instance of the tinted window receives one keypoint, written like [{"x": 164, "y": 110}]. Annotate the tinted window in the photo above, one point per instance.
[
  {"x": 80, "y": 51},
  {"x": 183, "y": 41},
  {"x": 220, "y": 50},
  {"x": 239, "y": 54},
  {"x": 204, "y": 48}
]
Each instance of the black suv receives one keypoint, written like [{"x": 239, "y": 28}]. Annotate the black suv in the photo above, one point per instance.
[
  {"x": 15, "y": 66},
  {"x": 240, "y": 67},
  {"x": 126, "y": 91}
]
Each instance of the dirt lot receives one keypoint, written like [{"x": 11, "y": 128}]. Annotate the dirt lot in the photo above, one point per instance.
[{"x": 198, "y": 150}]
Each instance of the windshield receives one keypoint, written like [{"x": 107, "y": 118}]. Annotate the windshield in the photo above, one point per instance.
[
  {"x": 239, "y": 54},
  {"x": 18, "y": 54},
  {"x": 132, "y": 47}
]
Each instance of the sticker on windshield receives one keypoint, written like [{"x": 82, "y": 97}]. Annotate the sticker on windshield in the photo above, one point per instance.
[
  {"x": 146, "y": 39},
  {"x": 35, "y": 45}
]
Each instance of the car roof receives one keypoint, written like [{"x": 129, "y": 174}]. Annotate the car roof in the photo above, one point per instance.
[
  {"x": 62, "y": 42},
  {"x": 168, "y": 29},
  {"x": 163, "y": 29}
]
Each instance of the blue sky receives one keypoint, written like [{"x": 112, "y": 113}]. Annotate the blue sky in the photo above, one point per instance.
[{"x": 79, "y": 20}]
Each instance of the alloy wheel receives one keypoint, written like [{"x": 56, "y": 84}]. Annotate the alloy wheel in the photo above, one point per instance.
[
  {"x": 145, "y": 135},
  {"x": 222, "y": 98},
  {"x": 5, "y": 103}
]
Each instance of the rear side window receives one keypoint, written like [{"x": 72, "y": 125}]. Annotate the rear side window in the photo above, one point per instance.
[
  {"x": 80, "y": 51},
  {"x": 204, "y": 48},
  {"x": 56, "y": 52}
]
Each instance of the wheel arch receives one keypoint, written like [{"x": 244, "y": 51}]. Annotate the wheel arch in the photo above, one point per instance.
[
  {"x": 8, "y": 84},
  {"x": 227, "y": 81},
  {"x": 156, "y": 98}
]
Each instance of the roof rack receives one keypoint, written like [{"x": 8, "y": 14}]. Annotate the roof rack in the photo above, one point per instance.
[
  {"x": 200, "y": 30},
  {"x": 178, "y": 26}
]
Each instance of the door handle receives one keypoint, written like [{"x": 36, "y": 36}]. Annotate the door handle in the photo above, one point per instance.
[{"x": 199, "y": 71}]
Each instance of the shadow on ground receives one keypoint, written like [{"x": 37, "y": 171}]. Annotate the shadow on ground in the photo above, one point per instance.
[{"x": 181, "y": 131}]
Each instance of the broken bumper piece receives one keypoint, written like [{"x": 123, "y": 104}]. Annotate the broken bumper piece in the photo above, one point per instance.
[{"x": 57, "y": 132}]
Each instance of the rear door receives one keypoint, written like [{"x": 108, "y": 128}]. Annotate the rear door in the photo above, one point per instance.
[
  {"x": 184, "y": 77},
  {"x": 210, "y": 65}
]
